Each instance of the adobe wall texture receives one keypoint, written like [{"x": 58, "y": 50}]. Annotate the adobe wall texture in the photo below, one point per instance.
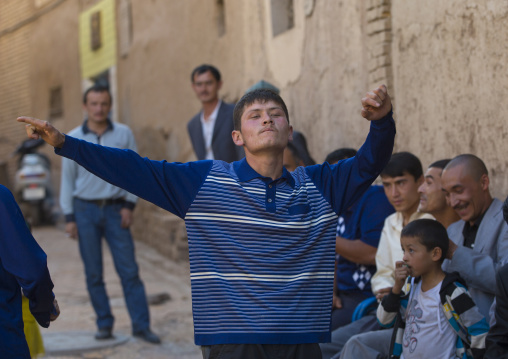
[{"x": 451, "y": 81}]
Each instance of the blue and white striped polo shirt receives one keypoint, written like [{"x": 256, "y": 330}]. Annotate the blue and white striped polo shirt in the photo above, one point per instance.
[{"x": 261, "y": 250}]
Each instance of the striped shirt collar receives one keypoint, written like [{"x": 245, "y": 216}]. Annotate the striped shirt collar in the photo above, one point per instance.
[
  {"x": 245, "y": 173},
  {"x": 86, "y": 130}
]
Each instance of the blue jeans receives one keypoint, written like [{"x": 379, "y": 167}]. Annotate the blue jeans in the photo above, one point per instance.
[{"x": 95, "y": 222}]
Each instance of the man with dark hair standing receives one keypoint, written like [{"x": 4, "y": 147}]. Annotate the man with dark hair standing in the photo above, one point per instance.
[
  {"x": 261, "y": 239},
  {"x": 210, "y": 130},
  {"x": 95, "y": 209}
]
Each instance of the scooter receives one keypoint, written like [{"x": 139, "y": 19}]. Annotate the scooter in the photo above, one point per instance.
[{"x": 32, "y": 183}]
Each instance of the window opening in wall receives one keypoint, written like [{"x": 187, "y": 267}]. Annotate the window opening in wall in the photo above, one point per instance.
[
  {"x": 55, "y": 102},
  {"x": 95, "y": 31},
  {"x": 221, "y": 18},
  {"x": 282, "y": 16}
]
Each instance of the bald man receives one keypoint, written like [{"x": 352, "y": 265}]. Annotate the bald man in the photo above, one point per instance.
[{"x": 478, "y": 244}]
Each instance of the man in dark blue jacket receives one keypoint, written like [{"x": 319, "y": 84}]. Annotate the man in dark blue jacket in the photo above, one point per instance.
[{"x": 22, "y": 268}]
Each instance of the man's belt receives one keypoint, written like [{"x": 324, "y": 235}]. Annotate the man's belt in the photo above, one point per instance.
[{"x": 104, "y": 202}]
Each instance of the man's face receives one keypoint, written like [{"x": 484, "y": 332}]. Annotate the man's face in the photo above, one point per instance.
[
  {"x": 467, "y": 196},
  {"x": 97, "y": 106},
  {"x": 402, "y": 192},
  {"x": 432, "y": 198},
  {"x": 264, "y": 128},
  {"x": 206, "y": 87}
]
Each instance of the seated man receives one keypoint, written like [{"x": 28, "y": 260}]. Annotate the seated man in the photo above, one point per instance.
[
  {"x": 401, "y": 178},
  {"x": 477, "y": 247},
  {"x": 432, "y": 197},
  {"x": 497, "y": 339},
  {"x": 358, "y": 232}
]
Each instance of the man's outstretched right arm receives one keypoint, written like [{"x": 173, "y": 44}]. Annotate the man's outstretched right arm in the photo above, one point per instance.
[{"x": 172, "y": 186}]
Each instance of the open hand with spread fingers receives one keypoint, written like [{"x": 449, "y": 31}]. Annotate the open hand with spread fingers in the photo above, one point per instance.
[
  {"x": 376, "y": 104},
  {"x": 36, "y": 129}
]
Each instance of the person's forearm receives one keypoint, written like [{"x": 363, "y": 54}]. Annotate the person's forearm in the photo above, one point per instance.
[{"x": 355, "y": 251}]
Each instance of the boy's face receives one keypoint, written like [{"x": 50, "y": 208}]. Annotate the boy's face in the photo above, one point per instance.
[
  {"x": 402, "y": 192},
  {"x": 264, "y": 128},
  {"x": 417, "y": 257}
]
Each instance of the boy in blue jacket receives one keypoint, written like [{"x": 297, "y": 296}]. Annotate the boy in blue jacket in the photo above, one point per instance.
[{"x": 432, "y": 312}]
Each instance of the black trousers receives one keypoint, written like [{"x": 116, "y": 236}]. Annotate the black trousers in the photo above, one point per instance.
[{"x": 261, "y": 351}]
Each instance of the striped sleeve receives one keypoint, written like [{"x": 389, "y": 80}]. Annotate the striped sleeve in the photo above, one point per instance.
[
  {"x": 172, "y": 186},
  {"x": 471, "y": 318},
  {"x": 388, "y": 309}
]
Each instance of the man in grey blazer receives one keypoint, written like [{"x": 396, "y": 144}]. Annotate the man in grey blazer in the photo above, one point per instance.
[
  {"x": 478, "y": 244},
  {"x": 210, "y": 130}
]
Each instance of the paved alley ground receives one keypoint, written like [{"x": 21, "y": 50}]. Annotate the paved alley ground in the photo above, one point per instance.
[{"x": 75, "y": 327}]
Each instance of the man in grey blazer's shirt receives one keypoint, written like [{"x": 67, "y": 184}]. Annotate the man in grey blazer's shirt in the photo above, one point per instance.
[
  {"x": 478, "y": 242},
  {"x": 210, "y": 130}
]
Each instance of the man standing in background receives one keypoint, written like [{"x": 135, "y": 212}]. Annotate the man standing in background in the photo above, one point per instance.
[
  {"x": 210, "y": 130},
  {"x": 94, "y": 209}
]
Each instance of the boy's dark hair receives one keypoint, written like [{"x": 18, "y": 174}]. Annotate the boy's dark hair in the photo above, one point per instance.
[
  {"x": 340, "y": 154},
  {"x": 97, "y": 88},
  {"x": 430, "y": 233},
  {"x": 261, "y": 96},
  {"x": 401, "y": 163},
  {"x": 440, "y": 164},
  {"x": 204, "y": 68}
]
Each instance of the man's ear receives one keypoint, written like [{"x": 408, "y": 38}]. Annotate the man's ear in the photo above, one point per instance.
[
  {"x": 219, "y": 85},
  {"x": 484, "y": 182},
  {"x": 237, "y": 137},
  {"x": 290, "y": 138}
]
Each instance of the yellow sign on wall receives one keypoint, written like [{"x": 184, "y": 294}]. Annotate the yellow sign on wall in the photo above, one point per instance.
[{"x": 96, "y": 59}]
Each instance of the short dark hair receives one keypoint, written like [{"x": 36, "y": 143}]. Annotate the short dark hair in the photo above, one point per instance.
[
  {"x": 97, "y": 88},
  {"x": 201, "y": 69},
  {"x": 440, "y": 164},
  {"x": 261, "y": 96},
  {"x": 340, "y": 154},
  {"x": 403, "y": 162},
  {"x": 473, "y": 164},
  {"x": 430, "y": 233}
]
